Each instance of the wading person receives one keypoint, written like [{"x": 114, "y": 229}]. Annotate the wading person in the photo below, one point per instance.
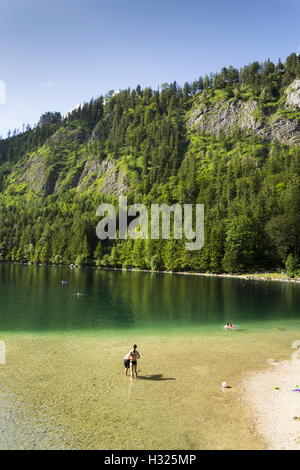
[
  {"x": 134, "y": 355},
  {"x": 126, "y": 363}
]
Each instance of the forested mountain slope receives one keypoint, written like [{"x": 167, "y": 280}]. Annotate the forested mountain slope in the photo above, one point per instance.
[{"x": 228, "y": 140}]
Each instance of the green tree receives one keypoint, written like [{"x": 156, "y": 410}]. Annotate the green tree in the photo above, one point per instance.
[
  {"x": 239, "y": 244},
  {"x": 292, "y": 265}
]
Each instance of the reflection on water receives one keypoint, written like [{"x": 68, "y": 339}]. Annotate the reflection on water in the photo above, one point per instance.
[
  {"x": 69, "y": 390},
  {"x": 32, "y": 298}
]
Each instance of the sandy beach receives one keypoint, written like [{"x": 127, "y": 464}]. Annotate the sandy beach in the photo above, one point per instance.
[{"x": 275, "y": 407}]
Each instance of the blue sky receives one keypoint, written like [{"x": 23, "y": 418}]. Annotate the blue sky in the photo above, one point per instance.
[{"x": 57, "y": 53}]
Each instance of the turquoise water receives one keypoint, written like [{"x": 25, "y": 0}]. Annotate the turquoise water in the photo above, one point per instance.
[
  {"x": 63, "y": 374},
  {"x": 33, "y": 300}
]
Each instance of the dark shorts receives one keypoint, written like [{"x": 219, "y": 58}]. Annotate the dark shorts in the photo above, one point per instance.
[
  {"x": 133, "y": 363},
  {"x": 127, "y": 363}
]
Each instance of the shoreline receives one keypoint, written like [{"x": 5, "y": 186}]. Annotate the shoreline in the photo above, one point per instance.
[
  {"x": 273, "y": 406},
  {"x": 262, "y": 276},
  {"x": 267, "y": 276}
]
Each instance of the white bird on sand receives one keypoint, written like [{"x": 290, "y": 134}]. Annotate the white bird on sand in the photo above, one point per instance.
[{"x": 224, "y": 385}]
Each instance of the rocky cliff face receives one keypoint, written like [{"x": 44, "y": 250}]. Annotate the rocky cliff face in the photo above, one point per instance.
[
  {"x": 66, "y": 162},
  {"x": 37, "y": 174},
  {"x": 276, "y": 124},
  {"x": 105, "y": 175},
  {"x": 293, "y": 95},
  {"x": 46, "y": 178}
]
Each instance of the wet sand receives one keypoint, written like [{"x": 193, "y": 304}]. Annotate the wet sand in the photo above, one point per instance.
[{"x": 69, "y": 391}]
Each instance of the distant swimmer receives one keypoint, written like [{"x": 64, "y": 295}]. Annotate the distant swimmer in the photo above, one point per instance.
[{"x": 229, "y": 326}]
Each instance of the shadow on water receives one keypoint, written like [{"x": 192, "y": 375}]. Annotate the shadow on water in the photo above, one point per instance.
[{"x": 155, "y": 377}]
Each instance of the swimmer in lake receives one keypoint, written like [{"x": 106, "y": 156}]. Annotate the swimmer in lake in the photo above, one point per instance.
[{"x": 229, "y": 326}]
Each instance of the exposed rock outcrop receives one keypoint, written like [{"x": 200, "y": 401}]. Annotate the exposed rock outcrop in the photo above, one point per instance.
[
  {"x": 280, "y": 124},
  {"x": 45, "y": 178},
  {"x": 40, "y": 176},
  {"x": 223, "y": 117},
  {"x": 293, "y": 94},
  {"x": 109, "y": 179}
]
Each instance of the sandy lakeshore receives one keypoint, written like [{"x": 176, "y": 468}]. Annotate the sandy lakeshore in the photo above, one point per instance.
[{"x": 274, "y": 405}]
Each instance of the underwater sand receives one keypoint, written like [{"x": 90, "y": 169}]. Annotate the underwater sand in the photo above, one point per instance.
[{"x": 68, "y": 391}]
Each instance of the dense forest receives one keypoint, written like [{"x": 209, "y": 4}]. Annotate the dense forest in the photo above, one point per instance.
[{"x": 53, "y": 177}]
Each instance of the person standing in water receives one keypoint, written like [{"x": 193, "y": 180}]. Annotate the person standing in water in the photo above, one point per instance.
[
  {"x": 126, "y": 363},
  {"x": 134, "y": 355}
]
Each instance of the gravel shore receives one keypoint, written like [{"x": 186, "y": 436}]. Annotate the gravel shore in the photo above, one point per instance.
[{"x": 275, "y": 406}]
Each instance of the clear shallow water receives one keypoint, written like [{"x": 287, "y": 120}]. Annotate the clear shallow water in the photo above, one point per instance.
[
  {"x": 33, "y": 300},
  {"x": 56, "y": 391}
]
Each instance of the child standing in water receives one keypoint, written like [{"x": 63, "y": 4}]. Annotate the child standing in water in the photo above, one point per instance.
[{"x": 126, "y": 363}]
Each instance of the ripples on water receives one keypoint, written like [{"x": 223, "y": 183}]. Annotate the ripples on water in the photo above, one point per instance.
[{"x": 24, "y": 425}]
